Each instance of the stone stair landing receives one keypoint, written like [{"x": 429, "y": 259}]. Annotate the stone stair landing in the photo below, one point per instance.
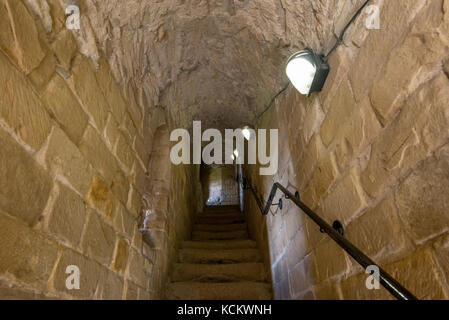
[{"x": 221, "y": 262}]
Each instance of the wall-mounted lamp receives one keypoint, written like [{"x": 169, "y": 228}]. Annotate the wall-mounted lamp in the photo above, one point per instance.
[
  {"x": 248, "y": 132},
  {"x": 307, "y": 71},
  {"x": 235, "y": 154}
]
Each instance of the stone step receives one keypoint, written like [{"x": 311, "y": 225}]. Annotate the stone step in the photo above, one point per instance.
[
  {"x": 219, "y": 256},
  {"x": 220, "y": 227},
  {"x": 219, "y": 291},
  {"x": 230, "y": 215},
  {"x": 219, "y": 209},
  {"x": 220, "y": 220},
  {"x": 221, "y": 213},
  {"x": 204, "y": 235},
  {"x": 218, "y": 272},
  {"x": 219, "y": 244}
]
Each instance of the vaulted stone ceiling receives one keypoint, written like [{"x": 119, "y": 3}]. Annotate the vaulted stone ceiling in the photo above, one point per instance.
[{"x": 219, "y": 61}]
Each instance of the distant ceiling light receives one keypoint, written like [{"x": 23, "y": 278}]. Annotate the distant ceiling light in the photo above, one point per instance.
[
  {"x": 248, "y": 132},
  {"x": 232, "y": 157},
  {"x": 236, "y": 153},
  {"x": 307, "y": 71}
]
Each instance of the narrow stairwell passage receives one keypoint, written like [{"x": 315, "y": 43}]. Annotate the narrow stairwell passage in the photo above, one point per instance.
[{"x": 220, "y": 262}]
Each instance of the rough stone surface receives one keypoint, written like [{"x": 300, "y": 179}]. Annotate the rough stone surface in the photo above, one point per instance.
[
  {"x": 131, "y": 291},
  {"x": 407, "y": 63},
  {"x": 340, "y": 108},
  {"x": 324, "y": 175},
  {"x": 98, "y": 239},
  {"x": 7, "y": 41},
  {"x": 344, "y": 201},
  {"x": 300, "y": 276},
  {"x": 90, "y": 275},
  {"x": 27, "y": 255},
  {"x": 24, "y": 185},
  {"x": 371, "y": 58},
  {"x": 29, "y": 52},
  {"x": 420, "y": 126},
  {"x": 125, "y": 153},
  {"x": 377, "y": 241},
  {"x": 87, "y": 89},
  {"x": 65, "y": 47},
  {"x": 68, "y": 216},
  {"x": 120, "y": 186},
  {"x": 64, "y": 107},
  {"x": 358, "y": 131},
  {"x": 124, "y": 222},
  {"x": 20, "y": 108},
  {"x": 442, "y": 254},
  {"x": 110, "y": 90},
  {"x": 329, "y": 251},
  {"x": 100, "y": 198},
  {"x": 63, "y": 158},
  {"x": 421, "y": 207},
  {"x": 121, "y": 255},
  {"x": 43, "y": 73},
  {"x": 95, "y": 151},
  {"x": 111, "y": 286},
  {"x": 354, "y": 288},
  {"x": 178, "y": 55},
  {"x": 427, "y": 285},
  {"x": 135, "y": 268}
]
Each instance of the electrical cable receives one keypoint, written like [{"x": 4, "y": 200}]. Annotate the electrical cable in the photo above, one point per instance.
[
  {"x": 339, "y": 42},
  {"x": 342, "y": 34},
  {"x": 272, "y": 100}
]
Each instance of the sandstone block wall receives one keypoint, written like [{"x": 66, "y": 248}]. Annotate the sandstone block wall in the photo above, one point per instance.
[
  {"x": 370, "y": 150},
  {"x": 74, "y": 151}
]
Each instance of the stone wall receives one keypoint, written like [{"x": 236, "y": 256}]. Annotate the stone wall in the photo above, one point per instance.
[
  {"x": 371, "y": 150},
  {"x": 74, "y": 151}
]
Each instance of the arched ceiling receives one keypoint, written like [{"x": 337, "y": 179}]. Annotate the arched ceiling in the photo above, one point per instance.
[{"x": 218, "y": 61}]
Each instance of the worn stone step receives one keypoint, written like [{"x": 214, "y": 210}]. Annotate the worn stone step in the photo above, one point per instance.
[
  {"x": 204, "y": 235},
  {"x": 230, "y": 215},
  {"x": 219, "y": 291},
  {"x": 218, "y": 272},
  {"x": 221, "y": 213},
  {"x": 219, "y": 256},
  {"x": 220, "y": 227},
  {"x": 219, "y": 244},
  {"x": 220, "y": 220},
  {"x": 219, "y": 209}
]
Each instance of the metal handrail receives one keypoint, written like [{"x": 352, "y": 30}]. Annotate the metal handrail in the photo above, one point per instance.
[{"x": 392, "y": 285}]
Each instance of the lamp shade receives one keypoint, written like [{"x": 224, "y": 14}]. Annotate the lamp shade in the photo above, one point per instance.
[
  {"x": 307, "y": 71},
  {"x": 248, "y": 132}
]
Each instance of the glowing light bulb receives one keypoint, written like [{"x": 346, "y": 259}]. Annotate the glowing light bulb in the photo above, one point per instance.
[
  {"x": 307, "y": 71},
  {"x": 246, "y": 133},
  {"x": 301, "y": 73}
]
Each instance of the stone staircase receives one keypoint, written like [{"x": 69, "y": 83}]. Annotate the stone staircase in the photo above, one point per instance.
[{"x": 221, "y": 262}]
